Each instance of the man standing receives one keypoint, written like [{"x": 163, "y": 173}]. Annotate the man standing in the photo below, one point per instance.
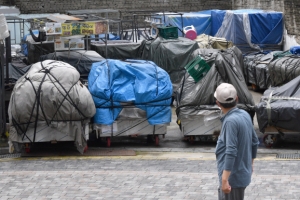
[{"x": 236, "y": 146}]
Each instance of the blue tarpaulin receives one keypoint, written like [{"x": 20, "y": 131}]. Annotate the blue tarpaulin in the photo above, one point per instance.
[
  {"x": 200, "y": 20},
  {"x": 140, "y": 83},
  {"x": 249, "y": 26}
]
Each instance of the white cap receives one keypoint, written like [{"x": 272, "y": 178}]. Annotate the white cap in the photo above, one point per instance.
[{"x": 225, "y": 93}]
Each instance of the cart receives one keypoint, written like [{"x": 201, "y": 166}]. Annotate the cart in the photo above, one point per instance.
[{"x": 130, "y": 127}]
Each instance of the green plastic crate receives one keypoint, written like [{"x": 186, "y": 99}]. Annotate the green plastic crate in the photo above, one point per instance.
[
  {"x": 168, "y": 32},
  {"x": 197, "y": 68}
]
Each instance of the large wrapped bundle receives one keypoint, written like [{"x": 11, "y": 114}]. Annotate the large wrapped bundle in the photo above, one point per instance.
[
  {"x": 130, "y": 89},
  {"x": 50, "y": 95},
  {"x": 82, "y": 60},
  {"x": 280, "y": 107},
  {"x": 193, "y": 98},
  {"x": 172, "y": 55},
  {"x": 284, "y": 69},
  {"x": 256, "y": 69}
]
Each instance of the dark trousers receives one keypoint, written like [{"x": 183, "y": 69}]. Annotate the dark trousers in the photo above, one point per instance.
[{"x": 235, "y": 194}]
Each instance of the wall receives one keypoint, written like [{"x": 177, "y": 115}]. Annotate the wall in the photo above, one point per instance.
[{"x": 51, "y": 6}]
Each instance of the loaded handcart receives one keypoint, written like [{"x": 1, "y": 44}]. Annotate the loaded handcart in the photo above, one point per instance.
[
  {"x": 198, "y": 116},
  {"x": 50, "y": 104},
  {"x": 132, "y": 98},
  {"x": 278, "y": 112}
]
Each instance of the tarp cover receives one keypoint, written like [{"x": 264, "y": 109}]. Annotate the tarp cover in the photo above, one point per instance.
[
  {"x": 50, "y": 93},
  {"x": 116, "y": 84},
  {"x": 37, "y": 49},
  {"x": 117, "y": 49},
  {"x": 172, "y": 55},
  {"x": 284, "y": 69},
  {"x": 200, "y": 20},
  {"x": 256, "y": 69},
  {"x": 258, "y": 28},
  {"x": 280, "y": 107},
  {"x": 209, "y": 42},
  {"x": 82, "y": 60},
  {"x": 226, "y": 66},
  {"x": 16, "y": 70}
]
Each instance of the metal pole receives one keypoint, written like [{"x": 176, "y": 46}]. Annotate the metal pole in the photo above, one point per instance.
[
  {"x": 8, "y": 56},
  {"x": 2, "y": 91}
]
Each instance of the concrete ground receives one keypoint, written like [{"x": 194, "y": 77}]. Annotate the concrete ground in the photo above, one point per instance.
[{"x": 176, "y": 169}]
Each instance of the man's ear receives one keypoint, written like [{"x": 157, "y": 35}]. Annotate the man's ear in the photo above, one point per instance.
[
  {"x": 218, "y": 103},
  {"x": 237, "y": 99}
]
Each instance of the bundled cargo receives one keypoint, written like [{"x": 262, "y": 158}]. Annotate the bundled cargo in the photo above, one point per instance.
[
  {"x": 82, "y": 60},
  {"x": 49, "y": 103},
  {"x": 209, "y": 42},
  {"x": 256, "y": 68},
  {"x": 284, "y": 69},
  {"x": 117, "y": 49},
  {"x": 197, "y": 112},
  {"x": 132, "y": 97},
  {"x": 280, "y": 107},
  {"x": 172, "y": 55}
]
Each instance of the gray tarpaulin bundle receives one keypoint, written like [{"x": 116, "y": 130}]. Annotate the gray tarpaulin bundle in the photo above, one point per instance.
[
  {"x": 82, "y": 60},
  {"x": 50, "y": 95},
  {"x": 170, "y": 54},
  {"x": 226, "y": 66},
  {"x": 256, "y": 69},
  {"x": 284, "y": 69},
  {"x": 280, "y": 107}
]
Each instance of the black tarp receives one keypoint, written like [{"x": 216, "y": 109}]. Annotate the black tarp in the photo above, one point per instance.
[
  {"x": 226, "y": 66},
  {"x": 117, "y": 49},
  {"x": 172, "y": 55},
  {"x": 37, "y": 49},
  {"x": 17, "y": 69},
  {"x": 284, "y": 69},
  {"x": 280, "y": 107},
  {"x": 256, "y": 69},
  {"x": 82, "y": 60}
]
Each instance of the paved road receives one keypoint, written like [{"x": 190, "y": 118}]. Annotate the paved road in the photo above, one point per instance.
[
  {"x": 174, "y": 170},
  {"x": 148, "y": 175}
]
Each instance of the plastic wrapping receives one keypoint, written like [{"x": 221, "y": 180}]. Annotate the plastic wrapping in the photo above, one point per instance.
[
  {"x": 242, "y": 33},
  {"x": 226, "y": 66},
  {"x": 82, "y": 60},
  {"x": 209, "y": 42},
  {"x": 4, "y": 33},
  {"x": 280, "y": 107},
  {"x": 49, "y": 99},
  {"x": 284, "y": 69},
  {"x": 116, "y": 85},
  {"x": 117, "y": 49},
  {"x": 16, "y": 70},
  {"x": 249, "y": 29},
  {"x": 172, "y": 55},
  {"x": 38, "y": 49},
  {"x": 200, "y": 20},
  {"x": 256, "y": 69}
]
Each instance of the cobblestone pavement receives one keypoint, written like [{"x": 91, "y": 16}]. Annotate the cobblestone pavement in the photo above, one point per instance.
[{"x": 148, "y": 175}]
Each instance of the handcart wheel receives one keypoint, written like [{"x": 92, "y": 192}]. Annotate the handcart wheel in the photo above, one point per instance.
[
  {"x": 85, "y": 149},
  {"x": 108, "y": 141},
  {"x": 271, "y": 140},
  {"x": 254, "y": 87},
  {"x": 156, "y": 140},
  {"x": 27, "y": 148},
  {"x": 192, "y": 139}
]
